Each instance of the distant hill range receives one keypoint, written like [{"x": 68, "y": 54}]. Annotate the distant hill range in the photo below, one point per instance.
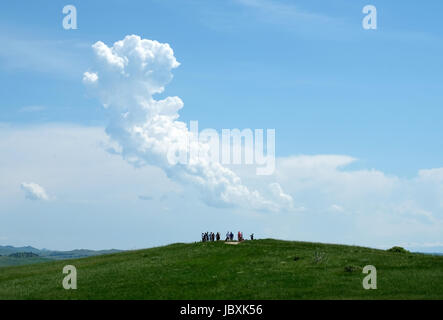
[
  {"x": 11, "y": 256},
  {"x": 23, "y": 255}
]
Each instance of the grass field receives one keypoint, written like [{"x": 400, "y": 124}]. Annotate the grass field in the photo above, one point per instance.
[{"x": 259, "y": 269}]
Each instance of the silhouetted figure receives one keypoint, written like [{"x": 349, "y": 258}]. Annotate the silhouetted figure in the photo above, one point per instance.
[
  {"x": 218, "y": 236},
  {"x": 252, "y": 236}
]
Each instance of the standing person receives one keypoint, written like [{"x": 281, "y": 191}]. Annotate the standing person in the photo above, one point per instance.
[
  {"x": 227, "y": 236},
  {"x": 231, "y": 236},
  {"x": 218, "y": 236},
  {"x": 203, "y": 237},
  {"x": 252, "y": 236}
]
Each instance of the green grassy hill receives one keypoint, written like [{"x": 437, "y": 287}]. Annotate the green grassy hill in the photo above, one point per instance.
[{"x": 260, "y": 269}]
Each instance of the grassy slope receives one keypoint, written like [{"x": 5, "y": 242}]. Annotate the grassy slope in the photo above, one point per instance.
[{"x": 262, "y": 269}]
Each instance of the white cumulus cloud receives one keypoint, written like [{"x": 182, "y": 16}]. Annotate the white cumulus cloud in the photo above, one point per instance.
[
  {"x": 125, "y": 78},
  {"x": 33, "y": 191},
  {"x": 89, "y": 77}
]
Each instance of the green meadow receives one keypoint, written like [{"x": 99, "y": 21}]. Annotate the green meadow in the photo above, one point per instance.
[{"x": 259, "y": 269}]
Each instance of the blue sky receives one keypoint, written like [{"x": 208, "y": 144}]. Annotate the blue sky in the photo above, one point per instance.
[{"x": 306, "y": 68}]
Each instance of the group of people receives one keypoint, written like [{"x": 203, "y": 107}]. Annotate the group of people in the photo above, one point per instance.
[{"x": 211, "y": 236}]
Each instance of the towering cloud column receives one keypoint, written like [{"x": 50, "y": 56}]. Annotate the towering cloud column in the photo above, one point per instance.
[{"x": 125, "y": 78}]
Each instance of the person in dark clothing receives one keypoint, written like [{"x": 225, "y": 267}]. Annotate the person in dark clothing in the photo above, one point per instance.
[{"x": 252, "y": 236}]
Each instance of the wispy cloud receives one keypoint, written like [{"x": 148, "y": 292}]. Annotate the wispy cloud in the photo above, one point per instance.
[
  {"x": 279, "y": 12},
  {"x": 146, "y": 198},
  {"x": 379, "y": 209},
  {"x": 293, "y": 16},
  {"x": 26, "y": 51},
  {"x": 32, "y": 109}
]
